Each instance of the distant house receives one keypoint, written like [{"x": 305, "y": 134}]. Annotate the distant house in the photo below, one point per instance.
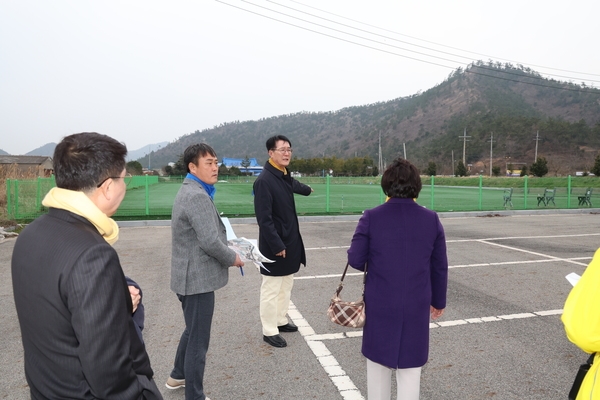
[
  {"x": 254, "y": 168},
  {"x": 40, "y": 166}
]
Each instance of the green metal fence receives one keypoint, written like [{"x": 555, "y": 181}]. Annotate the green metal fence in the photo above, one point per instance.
[{"x": 152, "y": 196}]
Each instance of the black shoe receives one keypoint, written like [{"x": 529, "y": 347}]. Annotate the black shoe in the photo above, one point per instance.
[
  {"x": 275, "y": 340},
  {"x": 289, "y": 327}
]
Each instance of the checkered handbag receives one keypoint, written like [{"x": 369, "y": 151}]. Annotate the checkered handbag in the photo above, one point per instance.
[{"x": 347, "y": 313}]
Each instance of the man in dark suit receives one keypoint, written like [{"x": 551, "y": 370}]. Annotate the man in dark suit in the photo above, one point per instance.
[
  {"x": 72, "y": 299},
  {"x": 279, "y": 238}
]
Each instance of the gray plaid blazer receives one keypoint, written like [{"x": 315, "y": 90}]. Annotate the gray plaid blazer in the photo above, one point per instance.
[{"x": 200, "y": 258}]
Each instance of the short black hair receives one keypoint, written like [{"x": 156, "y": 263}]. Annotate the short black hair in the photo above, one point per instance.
[
  {"x": 401, "y": 179},
  {"x": 194, "y": 152},
  {"x": 274, "y": 139},
  {"x": 83, "y": 160}
]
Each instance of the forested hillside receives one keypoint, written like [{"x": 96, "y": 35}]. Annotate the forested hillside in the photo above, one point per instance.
[{"x": 511, "y": 101}]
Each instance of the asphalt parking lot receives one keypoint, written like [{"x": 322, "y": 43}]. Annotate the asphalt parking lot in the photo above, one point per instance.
[{"x": 500, "y": 338}]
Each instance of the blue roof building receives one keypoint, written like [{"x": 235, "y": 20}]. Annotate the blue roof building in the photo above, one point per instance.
[{"x": 255, "y": 168}]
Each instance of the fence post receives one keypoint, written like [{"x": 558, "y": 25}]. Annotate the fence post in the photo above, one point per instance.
[
  {"x": 432, "y": 179},
  {"x": 9, "y": 202},
  {"x": 147, "y": 197},
  {"x": 480, "y": 190},
  {"x": 525, "y": 193},
  {"x": 569, "y": 192},
  {"x": 38, "y": 195},
  {"x": 16, "y": 215},
  {"x": 327, "y": 179}
]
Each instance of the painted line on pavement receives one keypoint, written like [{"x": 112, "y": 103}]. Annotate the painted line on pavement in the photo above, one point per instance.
[
  {"x": 441, "y": 324},
  {"x": 338, "y": 376},
  {"x": 490, "y": 264}
]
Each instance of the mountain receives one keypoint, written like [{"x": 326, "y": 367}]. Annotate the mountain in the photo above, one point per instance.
[
  {"x": 45, "y": 150},
  {"x": 3, "y": 153},
  {"x": 513, "y": 102},
  {"x": 142, "y": 152}
]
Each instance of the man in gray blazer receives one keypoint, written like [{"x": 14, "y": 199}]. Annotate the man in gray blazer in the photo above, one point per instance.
[
  {"x": 74, "y": 306},
  {"x": 200, "y": 262}
]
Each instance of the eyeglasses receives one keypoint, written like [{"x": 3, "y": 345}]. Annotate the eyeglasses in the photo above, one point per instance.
[
  {"x": 284, "y": 150},
  {"x": 126, "y": 179}
]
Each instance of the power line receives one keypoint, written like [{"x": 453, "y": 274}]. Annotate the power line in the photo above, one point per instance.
[
  {"x": 391, "y": 38},
  {"x": 402, "y": 55},
  {"x": 443, "y": 45}
]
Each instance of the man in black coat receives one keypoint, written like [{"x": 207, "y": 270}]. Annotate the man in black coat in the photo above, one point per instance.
[
  {"x": 279, "y": 238},
  {"x": 72, "y": 299}
]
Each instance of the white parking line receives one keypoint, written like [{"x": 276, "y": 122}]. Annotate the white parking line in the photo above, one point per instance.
[
  {"x": 338, "y": 376},
  {"x": 552, "y": 259},
  {"x": 336, "y": 373}
]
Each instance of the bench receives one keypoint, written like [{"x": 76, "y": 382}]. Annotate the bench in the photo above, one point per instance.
[
  {"x": 547, "y": 197},
  {"x": 586, "y": 199},
  {"x": 508, "y": 197}
]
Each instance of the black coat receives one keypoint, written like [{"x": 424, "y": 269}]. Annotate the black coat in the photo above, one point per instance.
[
  {"x": 277, "y": 220},
  {"x": 74, "y": 309}
]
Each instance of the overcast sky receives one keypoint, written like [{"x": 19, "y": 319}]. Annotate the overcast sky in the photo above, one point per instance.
[{"x": 151, "y": 71}]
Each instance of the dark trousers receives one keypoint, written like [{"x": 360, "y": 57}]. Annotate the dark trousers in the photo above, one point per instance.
[{"x": 190, "y": 359}]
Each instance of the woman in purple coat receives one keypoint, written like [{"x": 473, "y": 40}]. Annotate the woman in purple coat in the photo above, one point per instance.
[{"x": 404, "y": 246}]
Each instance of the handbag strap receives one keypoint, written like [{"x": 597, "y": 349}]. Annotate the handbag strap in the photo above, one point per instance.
[
  {"x": 341, "y": 285},
  {"x": 590, "y": 360}
]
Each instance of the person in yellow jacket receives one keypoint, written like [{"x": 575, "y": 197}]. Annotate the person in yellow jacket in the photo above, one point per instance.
[{"x": 581, "y": 318}]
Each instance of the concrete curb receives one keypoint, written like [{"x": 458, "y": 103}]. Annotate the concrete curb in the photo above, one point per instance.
[{"x": 334, "y": 218}]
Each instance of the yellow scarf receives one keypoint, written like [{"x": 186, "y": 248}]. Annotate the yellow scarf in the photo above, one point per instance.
[
  {"x": 78, "y": 203},
  {"x": 277, "y": 166}
]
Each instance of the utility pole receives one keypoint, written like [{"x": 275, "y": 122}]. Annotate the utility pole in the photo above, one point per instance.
[
  {"x": 404, "y": 145},
  {"x": 491, "y": 151},
  {"x": 537, "y": 139},
  {"x": 380, "y": 165},
  {"x": 452, "y": 162},
  {"x": 464, "y": 139}
]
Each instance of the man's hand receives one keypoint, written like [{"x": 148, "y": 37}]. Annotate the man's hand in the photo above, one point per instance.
[
  {"x": 135, "y": 296},
  {"x": 281, "y": 253},
  {"x": 238, "y": 261}
]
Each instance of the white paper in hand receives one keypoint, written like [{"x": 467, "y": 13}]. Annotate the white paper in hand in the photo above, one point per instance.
[
  {"x": 573, "y": 278},
  {"x": 248, "y": 251}
]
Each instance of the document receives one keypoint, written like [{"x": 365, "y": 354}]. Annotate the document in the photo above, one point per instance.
[
  {"x": 247, "y": 249},
  {"x": 573, "y": 278}
]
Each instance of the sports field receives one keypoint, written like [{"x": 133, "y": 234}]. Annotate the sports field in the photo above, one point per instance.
[
  {"x": 149, "y": 197},
  {"x": 235, "y": 199}
]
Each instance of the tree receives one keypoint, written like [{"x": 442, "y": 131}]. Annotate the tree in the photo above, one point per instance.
[
  {"x": 524, "y": 170},
  {"x": 496, "y": 171},
  {"x": 460, "y": 170},
  {"x": 223, "y": 170},
  {"x": 431, "y": 169},
  {"x": 540, "y": 167},
  {"x": 176, "y": 170},
  {"x": 245, "y": 164},
  {"x": 596, "y": 168},
  {"x": 134, "y": 168}
]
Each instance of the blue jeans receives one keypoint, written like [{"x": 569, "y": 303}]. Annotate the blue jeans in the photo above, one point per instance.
[{"x": 190, "y": 358}]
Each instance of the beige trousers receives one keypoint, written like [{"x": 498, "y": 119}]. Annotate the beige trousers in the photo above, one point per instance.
[
  {"x": 275, "y": 293},
  {"x": 379, "y": 382}
]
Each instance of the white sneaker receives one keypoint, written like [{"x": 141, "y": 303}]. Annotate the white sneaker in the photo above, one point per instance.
[{"x": 173, "y": 383}]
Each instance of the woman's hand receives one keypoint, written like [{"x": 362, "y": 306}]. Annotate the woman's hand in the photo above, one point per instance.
[{"x": 435, "y": 313}]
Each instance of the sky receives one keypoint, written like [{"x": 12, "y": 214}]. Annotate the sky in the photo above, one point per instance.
[{"x": 151, "y": 71}]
